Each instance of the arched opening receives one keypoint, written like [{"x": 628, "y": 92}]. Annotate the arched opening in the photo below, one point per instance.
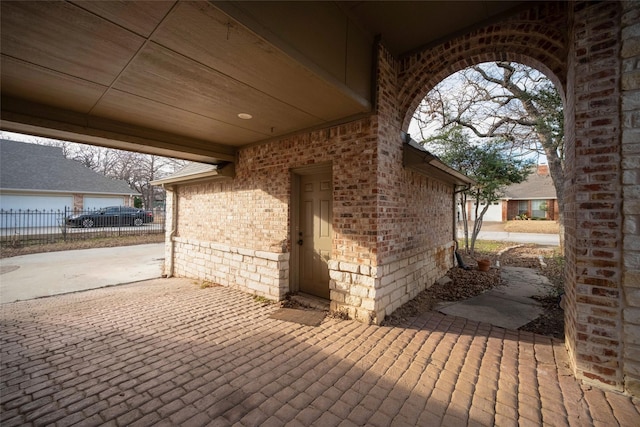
[
  {"x": 497, "y": 122},
  {"x": 428, "y": 79},
  {"x": 567, "y": 43},
  {"x": 504, "y": 103}
]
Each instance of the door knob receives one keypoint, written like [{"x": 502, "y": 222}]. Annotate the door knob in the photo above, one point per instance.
[{"x": 300, "y": 242}]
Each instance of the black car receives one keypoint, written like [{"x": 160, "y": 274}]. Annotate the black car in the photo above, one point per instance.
[{"x": 111, "y": 216}]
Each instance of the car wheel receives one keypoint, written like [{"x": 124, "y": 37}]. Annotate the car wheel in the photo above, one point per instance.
[
  {"x": 138, "y": 222},
  {"x": 87, "y": 223}
]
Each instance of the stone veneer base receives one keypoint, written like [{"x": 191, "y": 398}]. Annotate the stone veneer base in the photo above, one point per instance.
[{"x": 257, "y": 272}]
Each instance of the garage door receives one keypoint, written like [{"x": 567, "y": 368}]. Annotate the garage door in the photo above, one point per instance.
[
  {"x": 18, "y": 202},
  {"x": 91, "y": 203},
  {"x": 18, "y": 210},
  {"x": 493, "y": 214}
]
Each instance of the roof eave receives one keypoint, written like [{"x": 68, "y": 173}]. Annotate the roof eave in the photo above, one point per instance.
[
  {"x": 420, "y": 160},
  {"x": 227, "y": 172}
]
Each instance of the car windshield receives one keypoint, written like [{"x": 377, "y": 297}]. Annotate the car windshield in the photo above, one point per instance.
[{"x": 108, "y": 210}]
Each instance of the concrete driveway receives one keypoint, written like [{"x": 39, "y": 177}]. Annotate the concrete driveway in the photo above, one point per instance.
[{"x": 53, "y": 273}]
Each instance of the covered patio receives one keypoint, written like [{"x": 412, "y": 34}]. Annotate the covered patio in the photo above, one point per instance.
[{"x": 271, "y": 87}]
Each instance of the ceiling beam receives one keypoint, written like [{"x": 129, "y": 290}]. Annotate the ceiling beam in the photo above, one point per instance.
[{"x": 35, "y": 119}]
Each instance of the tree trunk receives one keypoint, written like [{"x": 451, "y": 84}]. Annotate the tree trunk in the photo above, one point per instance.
[{"x": 465, "y": 221}]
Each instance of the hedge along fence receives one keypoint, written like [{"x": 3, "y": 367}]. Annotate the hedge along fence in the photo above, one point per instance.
[{"x": 37, "y": 227}]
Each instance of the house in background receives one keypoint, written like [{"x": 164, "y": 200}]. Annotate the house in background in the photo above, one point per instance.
[
  {"x": 534, "y": 198},
  {"x": 39, "y": 177}
]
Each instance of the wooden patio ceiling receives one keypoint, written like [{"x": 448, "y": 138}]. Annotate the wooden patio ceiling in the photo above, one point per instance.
[{"x": 182, "y": 78}]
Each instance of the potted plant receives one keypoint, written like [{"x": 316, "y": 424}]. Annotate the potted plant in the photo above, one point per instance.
[{"x": 484, "y": 264}]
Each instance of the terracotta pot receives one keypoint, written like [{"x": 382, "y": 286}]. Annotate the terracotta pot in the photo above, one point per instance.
[{"x": 484, "y": 264}]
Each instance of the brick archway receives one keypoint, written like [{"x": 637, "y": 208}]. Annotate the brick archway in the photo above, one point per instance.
[
  {"x": 536, "y": 37},
  {"x": 588, "y": 50}
]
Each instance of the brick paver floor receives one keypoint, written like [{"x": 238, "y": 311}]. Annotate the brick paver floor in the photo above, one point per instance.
[{"x": 166, "y": 352}]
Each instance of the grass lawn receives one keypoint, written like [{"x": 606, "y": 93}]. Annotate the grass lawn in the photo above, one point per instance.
[
  {"x": 487, "y": 246},
  {"x": 7, "y": 251},
  {"x": 531, "y": 226}
]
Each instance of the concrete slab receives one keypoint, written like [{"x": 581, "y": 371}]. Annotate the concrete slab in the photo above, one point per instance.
[
  {"x": 509, "y": 306},
  {"x": 304, "y": 317},
  {"x": 310, "y": 301},
  {"x": 521, "y": 282},
  {"x": 490, "y": 307},
  {"x": 52, "y": 273}
]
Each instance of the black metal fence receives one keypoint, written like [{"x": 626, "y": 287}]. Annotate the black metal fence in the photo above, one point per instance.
[{"x": 36, "y": 227}]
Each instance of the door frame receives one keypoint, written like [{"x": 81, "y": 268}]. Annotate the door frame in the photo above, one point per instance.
[{"x": 294, "y": 259}]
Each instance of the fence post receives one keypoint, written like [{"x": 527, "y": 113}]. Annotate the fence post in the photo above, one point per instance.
[{"x": 63, "y": 226}]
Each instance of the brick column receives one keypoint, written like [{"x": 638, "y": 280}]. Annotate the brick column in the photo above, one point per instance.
[
  {"x": 594, "y": 250},
  {"x": 170, "y": 231},
  {"x": 630, "y": 85},
  {"x": 78, "y": 202}
]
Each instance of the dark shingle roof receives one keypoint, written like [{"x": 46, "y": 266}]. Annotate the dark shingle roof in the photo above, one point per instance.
[
  {"x": 26, "y": 166},
  {"x": 536, "y": 186}
]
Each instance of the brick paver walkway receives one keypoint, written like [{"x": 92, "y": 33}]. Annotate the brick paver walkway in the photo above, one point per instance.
[{"x": 167, "y": 352}]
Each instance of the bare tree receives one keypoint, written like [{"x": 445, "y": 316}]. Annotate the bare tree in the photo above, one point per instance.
[
  {"x": 140, "y": 169},
  {"x": 506, "y": 103}
]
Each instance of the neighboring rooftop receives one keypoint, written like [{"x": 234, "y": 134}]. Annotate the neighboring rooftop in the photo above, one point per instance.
[
  {"x": 33, "y": 167},
  {"x": 538, "y": 185}
]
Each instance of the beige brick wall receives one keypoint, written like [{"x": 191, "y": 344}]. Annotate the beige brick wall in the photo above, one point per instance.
[
  {"x": 250, "y": 215},
  {"x": 392, "y": 228},
  {"x": 237, "y": 232},
  {"x": 415, "y": 230},
  {"x": 252, "y": 210},
  {"x": 570, "y": 205}
]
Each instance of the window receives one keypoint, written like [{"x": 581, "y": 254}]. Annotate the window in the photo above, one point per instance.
[
  {"x": 523, "y": 207},
  {"x": 538, "y": 209}
]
